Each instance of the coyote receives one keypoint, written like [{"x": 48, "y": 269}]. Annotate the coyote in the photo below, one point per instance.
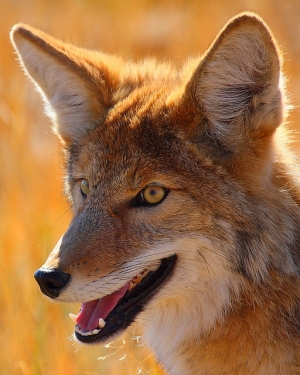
[{"x": 185, "y": 197}]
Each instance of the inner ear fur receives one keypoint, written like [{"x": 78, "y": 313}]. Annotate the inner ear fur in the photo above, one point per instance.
[
  {"x": 236, "y": 87},
  {"x": 76, "y": 84}
]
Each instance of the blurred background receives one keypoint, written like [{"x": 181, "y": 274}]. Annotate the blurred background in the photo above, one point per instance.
[{"x": 36, "y": 334}]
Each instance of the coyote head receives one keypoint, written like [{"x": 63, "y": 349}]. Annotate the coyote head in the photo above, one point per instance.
[{"x": 171, "y": 176}]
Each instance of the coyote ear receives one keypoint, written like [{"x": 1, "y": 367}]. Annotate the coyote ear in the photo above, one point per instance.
[
  {"x": 65, "y": 78},
  {"x": 236, "y": 86}
]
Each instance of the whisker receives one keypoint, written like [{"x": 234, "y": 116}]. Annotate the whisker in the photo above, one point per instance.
[{"x": 207, "y": 267}]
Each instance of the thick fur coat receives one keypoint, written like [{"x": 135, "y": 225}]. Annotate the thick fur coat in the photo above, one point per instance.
[{"x": 186, "y": 175}]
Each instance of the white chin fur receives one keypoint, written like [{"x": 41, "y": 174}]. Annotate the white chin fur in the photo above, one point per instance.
[
  {"x": 200, "y": 282},
  {"x": 198, "y": 295}
]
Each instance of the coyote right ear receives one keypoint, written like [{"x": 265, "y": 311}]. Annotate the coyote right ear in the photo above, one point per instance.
[
  {"x": 71, "y": 85},
  {"x": 236, "y": 87}
]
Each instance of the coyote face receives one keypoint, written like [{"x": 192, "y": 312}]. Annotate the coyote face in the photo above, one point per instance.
[{"x": 185, "y": 199}]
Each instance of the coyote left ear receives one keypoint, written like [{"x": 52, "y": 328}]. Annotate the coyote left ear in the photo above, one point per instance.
[
  {"x": 69, "y": 82},
  {"x": 236, "y": 86}
]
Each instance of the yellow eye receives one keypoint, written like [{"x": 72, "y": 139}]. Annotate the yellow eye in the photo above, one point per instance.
[
  {"x": 84, "y": 186},
  {"x": 153, "y": 194}
]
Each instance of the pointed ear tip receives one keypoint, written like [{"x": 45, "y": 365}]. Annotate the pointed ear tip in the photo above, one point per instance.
[
  {"x": 20, "y": 31},
  {"x": 18, "y": 28},
  {"x": 249, "y": 18},
  {"x": 16, "y": 31},
  {"x": 255, "y": 25}
]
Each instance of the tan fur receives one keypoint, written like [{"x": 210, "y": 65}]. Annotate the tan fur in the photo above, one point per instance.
[{"x": 213, "y": 135}]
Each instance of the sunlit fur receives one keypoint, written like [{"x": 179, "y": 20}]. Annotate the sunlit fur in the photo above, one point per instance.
[{"x": 212, "y": 134}]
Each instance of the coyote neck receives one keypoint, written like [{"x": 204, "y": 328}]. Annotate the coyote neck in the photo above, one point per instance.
[{"x": 251, "y": 340}]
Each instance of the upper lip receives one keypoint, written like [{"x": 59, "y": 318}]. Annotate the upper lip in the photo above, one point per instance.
[{"x": 133, "y": 302}]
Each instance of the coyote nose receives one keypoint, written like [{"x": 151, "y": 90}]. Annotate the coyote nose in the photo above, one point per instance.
[{"x": 51, "y": 281}]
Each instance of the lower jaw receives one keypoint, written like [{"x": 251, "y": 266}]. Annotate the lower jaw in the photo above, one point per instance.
[{"x": 132, "y": 304}]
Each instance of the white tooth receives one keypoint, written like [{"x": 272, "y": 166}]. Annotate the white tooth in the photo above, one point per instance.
[
  {"x": 131, "y": 286},
  {"x": 95, "y": 331},
  {"x": 101, "y": 323},
  {"x": 89, "y": 333},
  {"x": 143, "y": 273},
  {"x": 73, "y": 317}
]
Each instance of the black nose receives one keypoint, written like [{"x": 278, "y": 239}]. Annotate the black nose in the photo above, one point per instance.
[{"x": 51, "y": 281}]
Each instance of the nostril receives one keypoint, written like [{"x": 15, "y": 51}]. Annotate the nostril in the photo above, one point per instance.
[{"x": 51, "y": 281}]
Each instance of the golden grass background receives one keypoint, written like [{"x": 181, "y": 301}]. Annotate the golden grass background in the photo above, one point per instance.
[{"x": 33, "y": 213}]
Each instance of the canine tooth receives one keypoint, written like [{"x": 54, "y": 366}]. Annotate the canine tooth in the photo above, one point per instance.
[
  {"x": 136, "y": 280},
  {"x": 73, "y": 317},
  {"x": 95, "y": 331},
  {"x": 131, "y": 285},
  {"x": 143, "y": 273},
  {"x": 101, "y": 323}
]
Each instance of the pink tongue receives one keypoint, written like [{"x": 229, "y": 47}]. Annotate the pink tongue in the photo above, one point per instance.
[{"x": 91, "y": 312}]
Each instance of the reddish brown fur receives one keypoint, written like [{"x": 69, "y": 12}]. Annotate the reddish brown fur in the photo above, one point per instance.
[{"x": 210, "y": 134}]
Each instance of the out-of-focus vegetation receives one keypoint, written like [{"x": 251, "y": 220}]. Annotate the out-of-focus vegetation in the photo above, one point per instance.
[{"x": 33, "y": 213}]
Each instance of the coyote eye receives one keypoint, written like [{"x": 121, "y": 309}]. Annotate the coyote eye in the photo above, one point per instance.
[
  {"x": 153, "y": 194},
  {"x": 84, "y": 188}
]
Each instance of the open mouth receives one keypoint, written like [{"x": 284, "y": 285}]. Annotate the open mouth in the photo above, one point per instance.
[{"x": 102, "y": 318}]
